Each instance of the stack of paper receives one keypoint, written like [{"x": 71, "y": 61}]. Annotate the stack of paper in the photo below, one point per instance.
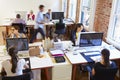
[{"x": 57, "y": 53}]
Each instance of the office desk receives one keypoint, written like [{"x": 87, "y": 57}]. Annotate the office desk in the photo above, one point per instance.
[
  {"x": 36, "y": 63},
  {"x": 42, "y": 63},
  {"x": 78, "y": 59}
]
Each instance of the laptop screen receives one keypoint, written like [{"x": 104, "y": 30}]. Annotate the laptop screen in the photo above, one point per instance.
[
  {"x": 90, "y": 39},
  {"x": 20, "y": 43}
]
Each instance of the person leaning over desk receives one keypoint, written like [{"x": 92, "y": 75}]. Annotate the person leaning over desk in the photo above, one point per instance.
[
  {"x": 13, "y": 66},
  {"x": 15, "y": 34},
  {"x": 76, "y": 33},
  {"x": 39, "y": 24}
]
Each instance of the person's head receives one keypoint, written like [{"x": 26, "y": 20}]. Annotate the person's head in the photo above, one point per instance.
[
  {"x": 13, "y": 54},
  {"x": 18, "y": 16},
  {"x": 105, "y": 53},
  {"x": 41, "y": 8},
  {"x": 16, "y": 29},
  {"x": 31, "y": 11},
  {"x": 79, "y": 27},
  {"x": 49, "y": 10}
]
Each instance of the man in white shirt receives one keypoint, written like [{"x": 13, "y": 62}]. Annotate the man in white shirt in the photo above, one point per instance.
[{"x": 39, "y": 24}]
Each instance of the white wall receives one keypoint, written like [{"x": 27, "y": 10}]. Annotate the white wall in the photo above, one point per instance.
[{"x": 8, "y": 7}]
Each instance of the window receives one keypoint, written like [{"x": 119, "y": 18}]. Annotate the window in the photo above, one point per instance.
[
  {"x": 64, "y": 6},
  {"x": 114, "y": 26},
  {"x": 72, "y": 11},
  {"x": 87, "y": 12}
]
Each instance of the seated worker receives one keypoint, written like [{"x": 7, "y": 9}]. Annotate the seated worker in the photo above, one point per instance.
[
  {"x": 15, "y": 33},
  {"x": 13, "y": 66},
  {"x": 75, "y": 33},
  {"x": 47, "y": 15},
  {"x": 104, "y": 62},
  {"x": 31, "y": 16},
  {"x": 18, "y": 19}
]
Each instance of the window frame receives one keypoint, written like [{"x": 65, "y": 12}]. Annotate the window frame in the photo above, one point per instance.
[
  {"x": 111, "y": 26},
  {"x": 92, "y": 14}
]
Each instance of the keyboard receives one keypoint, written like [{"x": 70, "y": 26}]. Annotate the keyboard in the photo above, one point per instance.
[{"x": 59, "y": 59}]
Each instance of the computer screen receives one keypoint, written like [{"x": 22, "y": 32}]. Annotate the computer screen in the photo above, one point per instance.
[
  {"x": 20, "y": 43},
  {"x": 91, "y": 39},
  {"x": 57, "y": 15}
]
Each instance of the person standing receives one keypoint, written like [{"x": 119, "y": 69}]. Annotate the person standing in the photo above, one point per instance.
[{"x": 39, "y": 24}]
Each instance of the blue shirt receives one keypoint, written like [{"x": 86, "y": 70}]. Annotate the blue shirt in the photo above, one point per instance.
[{"x": 39, "y": 18}]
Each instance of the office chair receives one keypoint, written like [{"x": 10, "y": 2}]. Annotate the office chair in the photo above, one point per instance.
[
  {"x": 60, "y": 29},
  {"x": 25, "y": 76},
  {"x": 22, "y": 28},
  {"x": 105, "y": 73}
]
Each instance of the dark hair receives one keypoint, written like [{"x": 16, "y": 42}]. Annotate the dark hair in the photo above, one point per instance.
[
  {"x": 18, "y": 16},
  {"x": 105, "y": 54},
  {"x": 78, "y": 25},
  {"x": 13, "y": 54},
  {"x": 41, "y": 6}
]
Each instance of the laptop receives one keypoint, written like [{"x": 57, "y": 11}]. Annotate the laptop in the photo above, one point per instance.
[{"x": 21, "y": 44}]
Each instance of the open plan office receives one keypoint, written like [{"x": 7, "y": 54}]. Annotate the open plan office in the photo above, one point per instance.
[{"x": 59, "y": 40}]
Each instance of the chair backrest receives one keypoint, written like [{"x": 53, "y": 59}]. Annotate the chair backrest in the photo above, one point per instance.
[
  {"x": 105, "y": 73},
  {"x": 25, "y": 76},
  {"x": 21, "y": 27},
  {"x": 60, "y": 26}
]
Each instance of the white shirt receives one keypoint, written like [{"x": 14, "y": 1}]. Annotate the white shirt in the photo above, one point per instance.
[
  {"x": 39, "y": 18},
  {"x": 8, "y": 66}
]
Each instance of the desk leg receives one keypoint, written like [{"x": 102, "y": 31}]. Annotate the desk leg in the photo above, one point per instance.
[
  {"x": 47, "y": 74},
  {"x": 74, "y": 69}
]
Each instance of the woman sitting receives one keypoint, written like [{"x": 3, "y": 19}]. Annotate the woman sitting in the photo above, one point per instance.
[
  {"x": 76, "y": 33},
  {"x": 13, "y": 66},
  {"x": 104, "y": 63},
  {"x": 15, "y": 33}
]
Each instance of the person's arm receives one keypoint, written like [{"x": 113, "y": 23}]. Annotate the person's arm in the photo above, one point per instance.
[
  {"x": 93, "y": 71},
  {"x": 23, "y": 35}
]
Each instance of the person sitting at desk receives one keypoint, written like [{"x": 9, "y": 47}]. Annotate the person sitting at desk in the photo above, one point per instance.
[
  {"x": 13, "y": 66},
  {"x": 104, "y": 62},
  {"x": 15, "y": 33},
  {"x": 75, "y": 33},
  {"x": 18, "y": 19},
  {"x": 47, "y": 15},
  {"x": 31, "y": 16}
]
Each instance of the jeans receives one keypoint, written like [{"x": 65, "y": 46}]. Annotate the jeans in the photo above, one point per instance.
[{"x": 35, "y": 34}]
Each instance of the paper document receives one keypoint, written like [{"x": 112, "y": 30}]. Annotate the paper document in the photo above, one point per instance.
[
  {"x": 96, "y": 58},
  {"x": 55, "y": 52},
  {"x": 92, "y": 53}
]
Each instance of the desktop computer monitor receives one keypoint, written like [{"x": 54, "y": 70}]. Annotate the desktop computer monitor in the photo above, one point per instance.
[
  {"x": 90, "y": 39},
  {"x": 20, "y": 43},
  {"x": 57, "y": 15}
]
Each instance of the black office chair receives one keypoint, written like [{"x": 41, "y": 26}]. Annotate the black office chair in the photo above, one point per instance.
[
  {"x": 60, "y": 29},
  {"x": 22, "y": 27},
  {"x": 105, "y": 73},
  {"x": 25, "y": 76}
]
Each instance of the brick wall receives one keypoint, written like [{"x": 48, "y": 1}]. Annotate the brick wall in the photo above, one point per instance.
[{"x": 102, "y": 16}]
